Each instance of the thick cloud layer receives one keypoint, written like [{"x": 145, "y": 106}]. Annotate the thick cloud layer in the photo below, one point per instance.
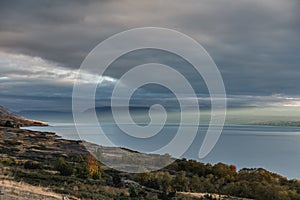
[{"x": 254, "y": 43}]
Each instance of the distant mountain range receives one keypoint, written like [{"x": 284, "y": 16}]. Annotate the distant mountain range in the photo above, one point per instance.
[
  {"x": 279, "y": 123},
  {"x": 124, "y": 108},
  {"x": 34, "y": 113},
  {"x": 109, "y": 108}
]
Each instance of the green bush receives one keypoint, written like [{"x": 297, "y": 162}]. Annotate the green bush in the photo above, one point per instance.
[
  {"x": 7, "y": 161},
  {"x": 65, "y": 169}
]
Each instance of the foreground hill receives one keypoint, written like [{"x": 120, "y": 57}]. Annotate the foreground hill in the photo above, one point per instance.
[
  {"x": 10, "y": 119},
  {"x": 65, "y": 167}
]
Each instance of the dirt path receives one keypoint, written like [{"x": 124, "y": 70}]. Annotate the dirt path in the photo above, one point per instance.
[{"x": 216, "y": 196}]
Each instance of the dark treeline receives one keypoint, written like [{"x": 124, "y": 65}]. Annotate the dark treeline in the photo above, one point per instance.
[{"x": 192, "y": 176}]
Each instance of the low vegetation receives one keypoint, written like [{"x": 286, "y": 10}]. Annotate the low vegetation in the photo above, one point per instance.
[{"x": 77, "y": 173}]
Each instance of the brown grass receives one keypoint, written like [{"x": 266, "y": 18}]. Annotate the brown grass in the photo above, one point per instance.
[{"x": 21, "y": 190}]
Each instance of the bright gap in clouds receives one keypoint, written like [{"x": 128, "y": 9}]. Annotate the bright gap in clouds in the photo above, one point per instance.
[
  {"x": 293, "y": 103},
  {"x": 25, "y": 67}
]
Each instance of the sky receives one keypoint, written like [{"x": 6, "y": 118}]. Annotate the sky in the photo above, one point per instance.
[{"x": 254, "y": 43}]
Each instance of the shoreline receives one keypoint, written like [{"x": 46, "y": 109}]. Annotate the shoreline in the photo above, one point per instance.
[{"x": 240, "y": 163}]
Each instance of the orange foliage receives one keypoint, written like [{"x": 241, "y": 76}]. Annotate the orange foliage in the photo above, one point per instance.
[
  {"x": 93, "y": 165},
  {"x": 233, "y": 168}
]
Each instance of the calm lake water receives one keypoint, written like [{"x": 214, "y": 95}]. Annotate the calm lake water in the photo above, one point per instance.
[{"x": 274, "y": 148}]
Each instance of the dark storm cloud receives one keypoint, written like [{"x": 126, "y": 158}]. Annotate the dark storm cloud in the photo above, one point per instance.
[{"x": 254, "y": 43}]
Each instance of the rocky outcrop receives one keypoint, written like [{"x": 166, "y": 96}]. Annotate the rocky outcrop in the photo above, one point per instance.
[{"x": 10, "y": 119}]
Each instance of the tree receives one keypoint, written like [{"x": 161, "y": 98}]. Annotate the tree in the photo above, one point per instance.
[
  {"x": 195, "y": 184},
  {"x": 82, "y": 171},
  {"x": 8, "y": 124},
  {"x": 32, "y": 165},
  {"x": 166, "y": 183},
  {"x": 181, "y": 182},
  {"x": 93, "y": 167},
  {"x": 133, "y": 192},
  {"x": 65, "y": 169},
  {"x": 137, "y": 193}
]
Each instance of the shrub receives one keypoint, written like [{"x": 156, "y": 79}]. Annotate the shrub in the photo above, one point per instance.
[
  {"x": 7, "y": 161},
  {"x": 32, "y": 165},
  {"x": 65, "y": 169}
]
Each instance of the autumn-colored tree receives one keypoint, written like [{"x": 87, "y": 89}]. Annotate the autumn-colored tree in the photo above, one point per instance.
[
  {"x": 93, "y": 167},
  {"x": 233, "y": 168}
]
